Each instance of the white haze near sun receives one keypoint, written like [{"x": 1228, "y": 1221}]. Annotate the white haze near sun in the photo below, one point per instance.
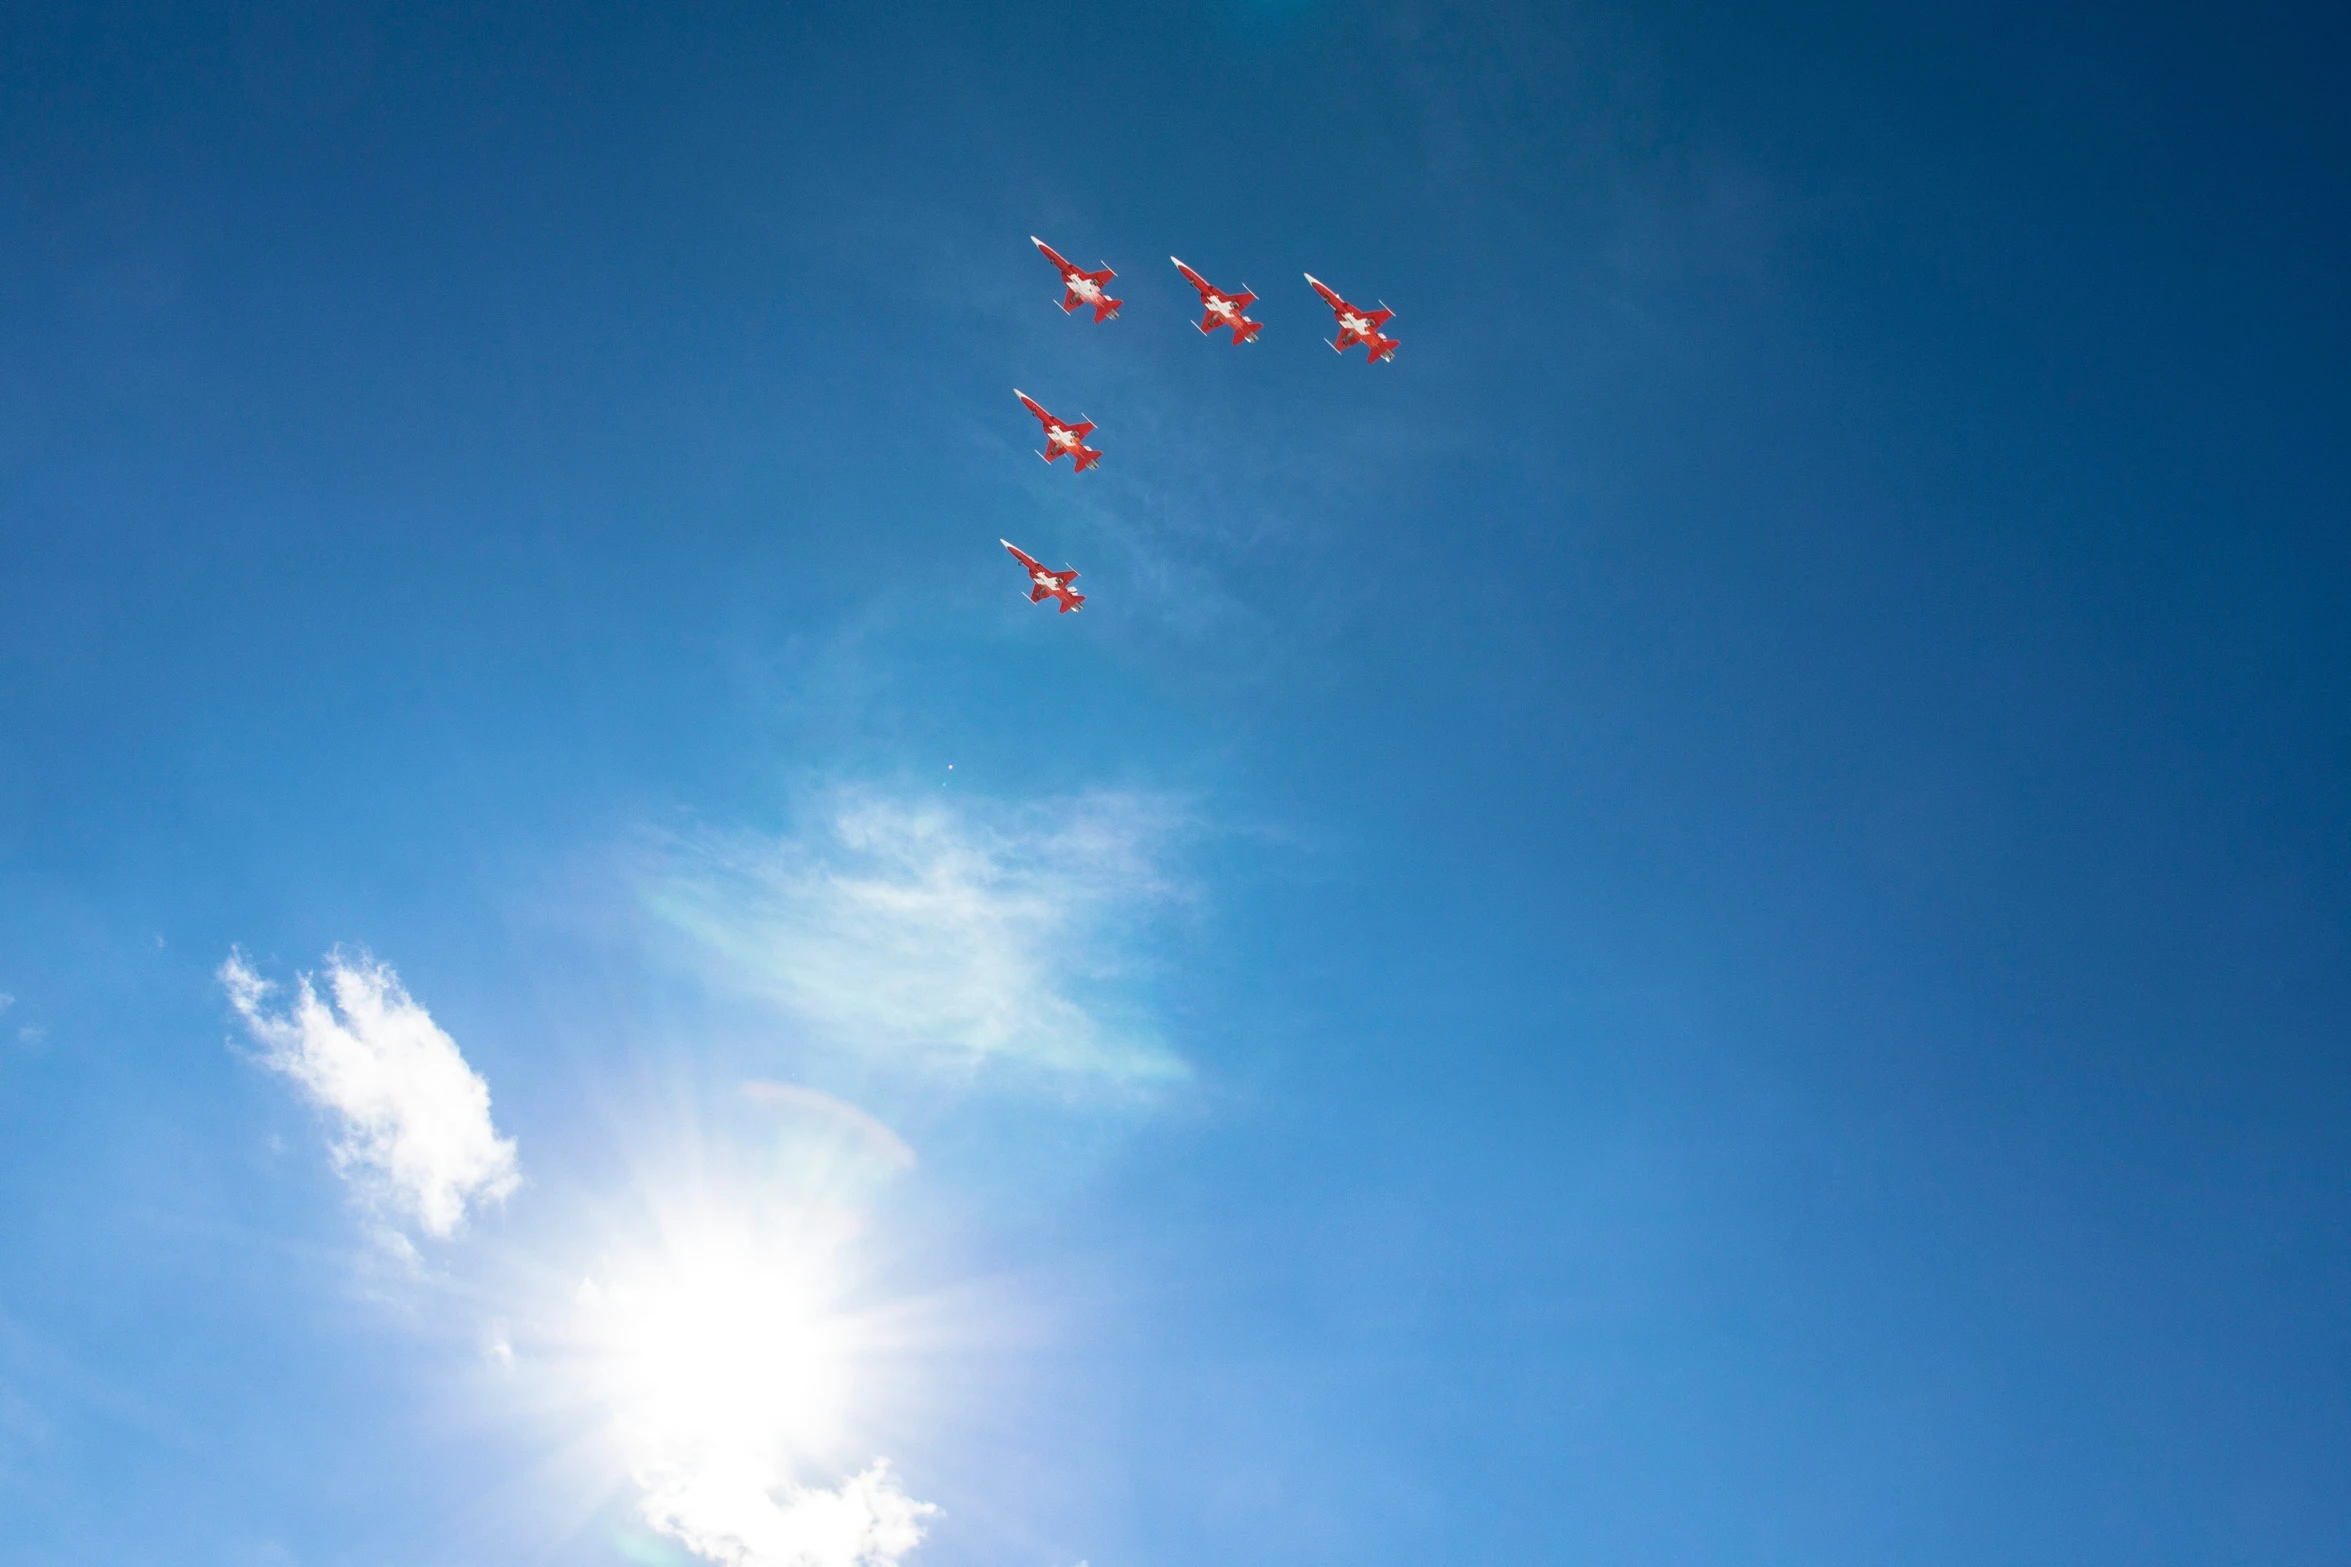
[{"x": 714, "y": 1349}]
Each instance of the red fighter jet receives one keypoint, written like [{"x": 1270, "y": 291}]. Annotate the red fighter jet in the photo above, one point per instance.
[
  {"x": 1081, "y": 288},
  {"x": 1223, "y": 309},
  {"x": 1358, "y": 326},
  {"x": 1059, "y": 437},
  {"x": 1045, "y": 584}
]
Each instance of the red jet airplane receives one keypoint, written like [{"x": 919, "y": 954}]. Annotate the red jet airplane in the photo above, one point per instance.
[
  {"x": 1223, "y": 309},
  {"x": 1046, "y": 584},
  {"x": 1083, "y": 288},
  {"x": 1358, "y": 326},
  {"x": 1059, "y": 437}
]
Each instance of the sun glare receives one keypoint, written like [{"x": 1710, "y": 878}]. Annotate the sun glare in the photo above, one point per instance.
[{"x": 724, "y": 1342}]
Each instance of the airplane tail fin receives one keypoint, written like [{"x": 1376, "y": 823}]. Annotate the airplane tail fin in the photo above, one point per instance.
[
  {"x": 1246, "y": 332},
  {"x": 1071, "y": 602},
  {"x": 1083, "y": 458},
  {"x": 1108, "y": 309}
]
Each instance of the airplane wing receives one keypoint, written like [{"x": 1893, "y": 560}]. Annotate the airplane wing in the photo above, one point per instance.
[
  {"x": 1243, "y": 300},
  {"x": 1194, "y": 278},
  {"x": 1380, "y": 317},
  {"x": 1082, "y": 430},
  {"x": 1328, "y": 298}
]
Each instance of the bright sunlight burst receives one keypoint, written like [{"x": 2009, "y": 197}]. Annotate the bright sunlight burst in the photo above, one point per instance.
[
  {"x": 728, "y": 1361},
  {"x": 724, "y": 1343}
]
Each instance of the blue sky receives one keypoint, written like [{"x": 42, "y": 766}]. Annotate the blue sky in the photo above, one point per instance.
[{"x": 1705, "y": 922}]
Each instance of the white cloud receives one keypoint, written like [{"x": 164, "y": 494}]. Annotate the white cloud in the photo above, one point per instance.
[
  {"x": 6, "y": 1001},
  {"x": 413, "y": 1119},
  {"x": 730, "y": 1509},
  {"x": 941, "y": 934}
]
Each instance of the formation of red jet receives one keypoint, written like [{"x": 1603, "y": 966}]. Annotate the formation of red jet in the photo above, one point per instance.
[
  {"x": 1357, "y": 326},
  {"x": 1081, "y": 287},
  {"x": 1220, "y": 312},
  {"x": 1223, "y": 309},
  {"x": 1046, "y": 584},
  {"x": 1059, "y": 437}
]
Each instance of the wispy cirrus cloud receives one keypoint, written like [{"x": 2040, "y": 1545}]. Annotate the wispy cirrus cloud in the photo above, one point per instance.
[
  {"x": 944, "y": 935},
  {"x": 412, "y": 1119}
]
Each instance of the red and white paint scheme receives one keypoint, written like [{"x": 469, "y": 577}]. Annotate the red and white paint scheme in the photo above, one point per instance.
[
  {"x": 1223, "y": 309},
  {"x": 1045, "y": 584},
  {"x": 1081, "y": 288},
  {"x": 1358, "y": 326},
  {"x": 1059, "y": 437}
]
